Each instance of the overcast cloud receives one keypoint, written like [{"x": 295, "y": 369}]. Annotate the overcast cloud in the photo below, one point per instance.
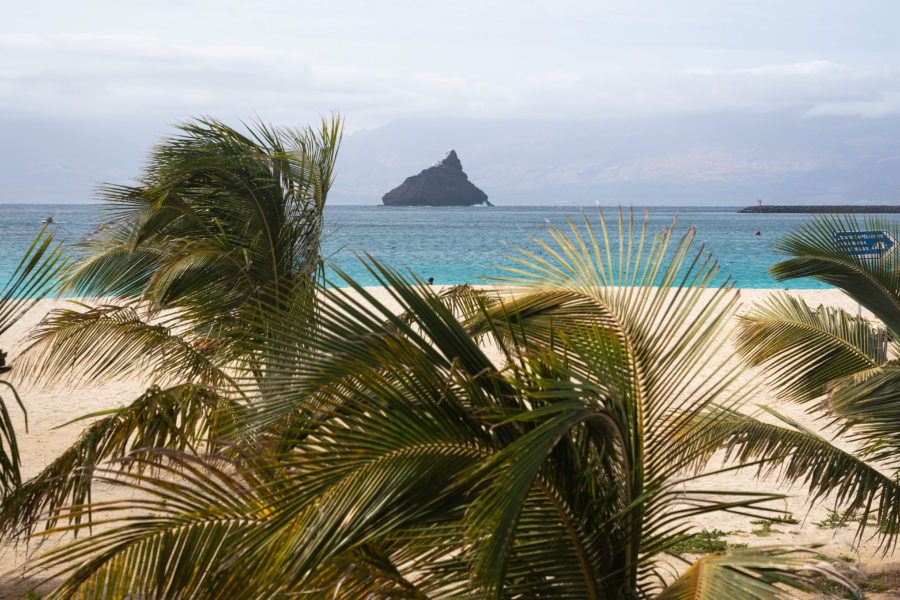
[
  {"x": 377, "y": 61},
  {"x": 86, "y": 87}
]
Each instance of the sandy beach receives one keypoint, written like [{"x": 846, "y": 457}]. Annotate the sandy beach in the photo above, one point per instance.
[{"x": 51, "y": 407}]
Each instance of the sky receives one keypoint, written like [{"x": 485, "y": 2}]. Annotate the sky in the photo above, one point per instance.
[
  {"x": 376, "y": 61},
  {"x": 144, "y": 65}
]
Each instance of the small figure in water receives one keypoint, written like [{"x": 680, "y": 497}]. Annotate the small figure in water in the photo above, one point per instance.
[
  {"x": 49, "y": 220},
  {"x": 757, "y": 232},
  {"x": 430, "y": 280}
]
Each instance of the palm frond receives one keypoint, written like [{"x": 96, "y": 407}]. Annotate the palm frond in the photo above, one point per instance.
[
  {"x": 216, "y": 214},
  {"x": 814, "y": 251},
  {"x": 758, "y": 574},
  {"x": 198, "y": 511},
  {"x": 803, "y": 351},
  {"x": 173, "y": 417},
  {"x": 254, "y": 511},
  {"x": 800, "y": 455},
  {"x": 33, "y": 278},
  {"x": 465, "y": 300},
  {"x": 86, "y": 344},
  {"x": 868, "y": 410}
]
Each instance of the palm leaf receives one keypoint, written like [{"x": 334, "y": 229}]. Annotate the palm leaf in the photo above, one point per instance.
[
  {"x": 214, "y": 204},
  {"x": 801, "y": 455},
  {"x": 804, "y": 351},
  {"x": 86, "y": 344},
  {"x": 32, "y": 279},
  {"x": 867, "y": 409},
  {"x": 174, "y": 417},
  {"x": 199, "y": 510},
  {"x": 756, "y": 573},
  {"x": 814, "y": 252}
]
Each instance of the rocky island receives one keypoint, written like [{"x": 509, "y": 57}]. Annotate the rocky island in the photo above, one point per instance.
[{"x": 442, "y": 184}]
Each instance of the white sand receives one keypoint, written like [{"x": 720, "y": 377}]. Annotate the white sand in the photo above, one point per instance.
[{"x": 50, "y": 408}]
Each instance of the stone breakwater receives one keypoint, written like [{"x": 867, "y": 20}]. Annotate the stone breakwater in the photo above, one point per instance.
[{"x": 820, "y": 208}]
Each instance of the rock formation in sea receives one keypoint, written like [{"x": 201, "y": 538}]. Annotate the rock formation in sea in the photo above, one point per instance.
[{"x": 442, "y": 184}]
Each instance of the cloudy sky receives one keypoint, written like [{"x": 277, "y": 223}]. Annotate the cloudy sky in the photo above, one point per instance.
[
  {"x": 144, "y": 64},
  {"x": 376, "y": 61}
]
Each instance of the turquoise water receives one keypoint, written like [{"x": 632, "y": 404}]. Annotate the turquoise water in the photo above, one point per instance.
[{"x": 457, "y": 245}]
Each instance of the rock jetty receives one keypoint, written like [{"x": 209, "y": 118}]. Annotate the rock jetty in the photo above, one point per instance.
[
  {"x": 821, "y": 208},
  {"x": 442, "y": 184}
]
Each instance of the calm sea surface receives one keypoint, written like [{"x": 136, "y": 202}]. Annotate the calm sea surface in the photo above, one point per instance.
[{"x": 457, "y": 245}]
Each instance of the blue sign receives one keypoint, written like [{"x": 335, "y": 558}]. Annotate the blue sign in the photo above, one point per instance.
[{"x": 865, "y": 244}]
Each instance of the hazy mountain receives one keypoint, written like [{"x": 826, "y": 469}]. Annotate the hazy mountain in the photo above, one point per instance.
[
  {"x": 716, "y": 160},
  {"x": 63, "y": 161},
  {"x": 725, "y": 159}
]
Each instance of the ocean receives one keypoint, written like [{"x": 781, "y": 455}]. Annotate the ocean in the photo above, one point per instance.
[{"x": 460, "y": 245}]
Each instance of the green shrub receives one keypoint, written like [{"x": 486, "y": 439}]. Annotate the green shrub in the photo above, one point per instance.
[{"x": 704, "y": 542}]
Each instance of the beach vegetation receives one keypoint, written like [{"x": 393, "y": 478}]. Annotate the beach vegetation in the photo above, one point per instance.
[
  {"x": 377, "y": 452},
  {"x": 843, "y": 367},
  {"x": 219, "y": 224},
  {"x": 786, "y": 519},
  {"x": 32, "y": 279},
  {"x": 703, "y": 542},
  {"x": 764, "y": 529},
  {"x": 834, "y": 519}
]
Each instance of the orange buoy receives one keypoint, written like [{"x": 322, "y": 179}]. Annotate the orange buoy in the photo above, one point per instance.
[{"x": 757, "y": 232}]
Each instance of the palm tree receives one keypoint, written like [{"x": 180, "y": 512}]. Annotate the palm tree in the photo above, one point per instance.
[
  {"x": 411, "y": 465},
  {"x": 843, "y": 367},
  {"x": 220, "y": 224}
]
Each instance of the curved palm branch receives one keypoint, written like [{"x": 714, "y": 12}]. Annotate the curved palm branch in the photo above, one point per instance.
[
  {"x": 86, "y": 344},
  {"x": 221, "y": 508},
  {"x": 868, "y": 411},
  {"x": 32, "y": 279},
  {"x": 750, "y": 574},
  {"x": 804, "y": 351},
  {"x": 800, "y": 455},
  {"x": 466, "y": 300},
  {"x": 815, "y": 252},
  {"x": 174, "y": 417}
]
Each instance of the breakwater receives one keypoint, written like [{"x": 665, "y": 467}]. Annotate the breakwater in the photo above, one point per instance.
[{"x": 821, "y": 208}]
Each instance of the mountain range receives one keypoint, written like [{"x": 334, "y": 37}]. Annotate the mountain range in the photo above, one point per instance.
[
  {"x": 710, "y": 159},
  {"x": 689, "y": 160}
]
